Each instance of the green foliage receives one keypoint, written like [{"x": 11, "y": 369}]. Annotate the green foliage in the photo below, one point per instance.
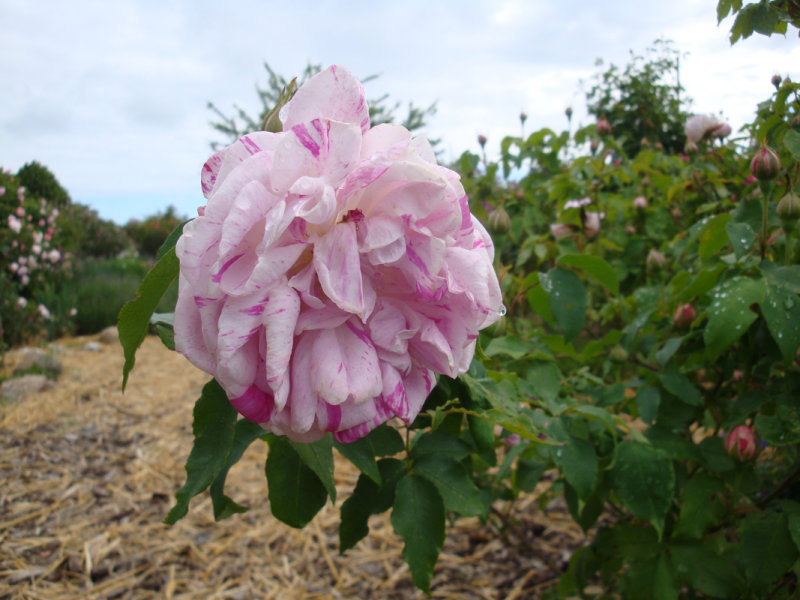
[
  {"x": 149, "y": 234},
  {"x": 134, "y": 317},
  {"x": 213, "y": 428},
  {"x": 85, "y": 234},
  {"x": 40, "y": 182},
  {"x": 765, "y": 17},
  {"x": 613, "y": 381}
]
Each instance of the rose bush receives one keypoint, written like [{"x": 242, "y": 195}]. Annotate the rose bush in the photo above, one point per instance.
[{"x": 335, "y": 268}]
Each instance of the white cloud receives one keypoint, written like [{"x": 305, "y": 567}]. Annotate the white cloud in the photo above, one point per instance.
[{"x": 112, "y": 96}]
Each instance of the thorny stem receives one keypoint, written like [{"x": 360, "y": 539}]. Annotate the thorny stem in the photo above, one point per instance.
[{"x": 782, "y": 486}]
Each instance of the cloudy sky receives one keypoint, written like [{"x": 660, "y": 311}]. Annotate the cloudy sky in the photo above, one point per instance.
[{"x": 112, "y": 96}]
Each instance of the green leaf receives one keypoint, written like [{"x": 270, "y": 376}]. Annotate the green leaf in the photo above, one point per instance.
[
  {"x": 791, "y": 141},
  {"x": 381, "y": 441},
  {"x": 418, "y": 517},
  {"x": 707, "y": 571},
  {"x": 647, "y": 401},
  {"x": 452, "y": 480},
  {"x": 578, "y": 461},
  {"x": 296, "y": 494},
  {"x": 213, "y": 429},
  {"x": 781, "y": 310},
  {"x": 567, "y": 299},
  {"x": 786, "y": 277},
  {"x": 723, "y": 9},
  {"x": 679, "y": 386},
  {"x": 539, "y": 301},
  {"x": 729, "y": 315},
  {"x": 245, "y": 433},
  {"x": 595, "y": 267},
  {"x": 545, "y": 380},
  {"x": 644, "y": 481},
  {"x": 507, "y": 345},
  {"x": 701, "y": 505},
  {"x": 653, "y": 579},
  {"x": 668, "y": 350},
  {"x": 742, "y": 238},
  {"x": 713, "y": 236},
  {"x": 368, "y": 498},
  {"x": 171, "y": 240},
  {"x": 435, "y": 442},
  {"x": 768, "y": 550},
  {"x": 163, "y": 323},
  {"x": 782, "y": 428},
  {"x": 318, "y": 456},
  {"x": 134, "y": 318}
]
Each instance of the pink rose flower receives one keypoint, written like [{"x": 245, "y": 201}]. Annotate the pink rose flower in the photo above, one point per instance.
[{"x": 335, "y": 268}]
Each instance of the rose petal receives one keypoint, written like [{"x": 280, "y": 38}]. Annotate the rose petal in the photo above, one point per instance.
[{"x": 333, "y": 94}]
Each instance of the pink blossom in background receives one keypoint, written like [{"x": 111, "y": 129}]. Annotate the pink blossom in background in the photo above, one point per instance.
[
  {"x": 54, "y": 256},
  {"x": 22, "y": 302},
  {"x": 2, "y": 191},
  {"x": 14, "y": 224},
  {"x": 577, "y": 203},
  {"x": 43, "y": 311},
  {"x": 699, "y": 127},
  {"x": 20, "y": 211},
  {"x": 640, "y": 202},
  {"x": 334, "y": 270},
  {"x": 73, "y": 311}
]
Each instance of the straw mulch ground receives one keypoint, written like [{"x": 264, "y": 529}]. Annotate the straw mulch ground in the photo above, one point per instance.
[{"x": 87, "y": 476}]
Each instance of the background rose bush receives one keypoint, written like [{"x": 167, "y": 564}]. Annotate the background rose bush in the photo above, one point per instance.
[{"x": 632, "y": 354}]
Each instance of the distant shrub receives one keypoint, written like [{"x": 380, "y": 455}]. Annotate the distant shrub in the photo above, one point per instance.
[
  {"x": 149, "y": 234},
  {"x": 102, "y": 285},
  {"x": 40, "y": 182}
]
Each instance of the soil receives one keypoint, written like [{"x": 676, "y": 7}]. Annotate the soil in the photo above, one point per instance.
[{"x": 88, "y": 474}]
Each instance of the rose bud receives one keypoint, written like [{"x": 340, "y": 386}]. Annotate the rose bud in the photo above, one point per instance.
[
  {"x": 788, "y": 209},
  {"x": 741, "y": 443},
  {"x": 655, "y": 260},
  {"x": 568, "y": 112},
  {"x": 603, "y": 127},
  {"x": 776, "y": 80},
  {"x": 640, "y": 202},
  {"x": 523, "y": 116},
  {"x": 482, "y": 140},
  {"x": 765, "y": 164},
  {"x": 684, "y": 316},
  {"x": 499, "y": 221}
]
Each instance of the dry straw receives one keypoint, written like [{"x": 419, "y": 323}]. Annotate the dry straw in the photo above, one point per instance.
[{"x": 87, "y": 475}]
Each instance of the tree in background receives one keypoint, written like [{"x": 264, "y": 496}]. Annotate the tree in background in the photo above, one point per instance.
[
  {"x": 150, "y": 233},
  {"x": 642, "y": 103},
  {"x": 39, "y": 181},
  {"x": 380, "y": 109}
]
